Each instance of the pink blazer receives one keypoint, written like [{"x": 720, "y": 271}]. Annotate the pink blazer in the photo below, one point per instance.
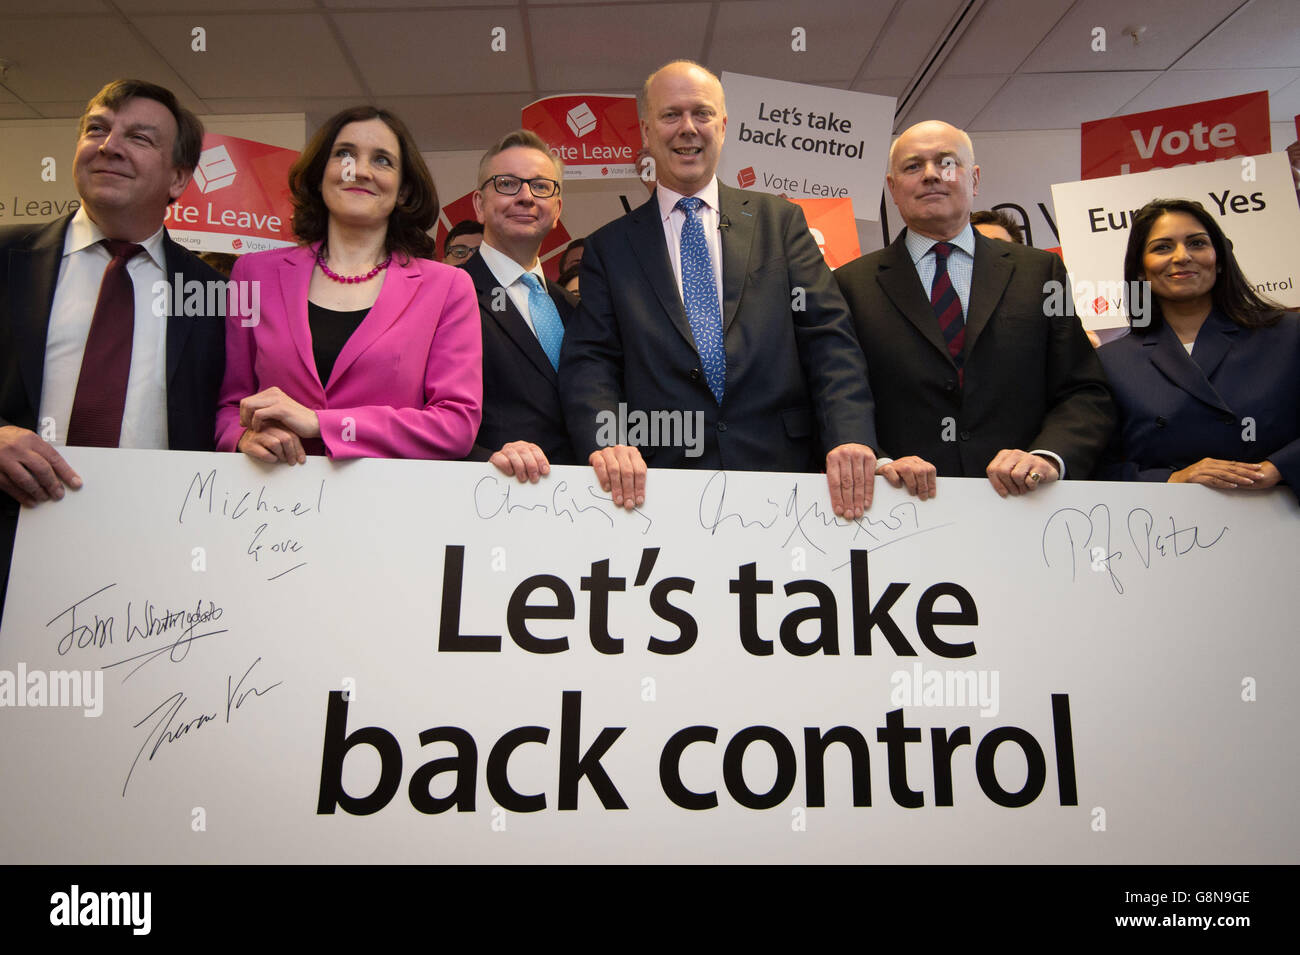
[{"x": 407, "y": 384}]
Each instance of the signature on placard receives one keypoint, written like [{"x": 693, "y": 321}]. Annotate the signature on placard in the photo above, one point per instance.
[
  {"x": 148, "y": 627},
  {"x": 1072, "y": 535},
  {"x": 170, "y": 721},
  {"x": 798, "y": 519},
  {"x": 274, "y": 534},
  {"x": 493, "y": 500}
]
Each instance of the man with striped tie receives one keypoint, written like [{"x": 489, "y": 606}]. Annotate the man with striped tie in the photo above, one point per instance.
[{"x": 972, "y": 371}]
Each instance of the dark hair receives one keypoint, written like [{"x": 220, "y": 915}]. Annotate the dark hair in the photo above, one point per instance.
[
  {"x": 463, "y": 227},
  {"x": 189, "y": 129},
  {"x": 579, "y": 243},
  {"x": 568, "y": 275},
  {"x": 526, "y": 139},
  {"x": 1231, "y": 295},
  {"x": 417, "y": 203},
  {"x": 1002, "y": 218}
]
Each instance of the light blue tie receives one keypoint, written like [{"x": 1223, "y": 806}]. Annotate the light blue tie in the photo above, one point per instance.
[
  {"x": 546, "y": 319},
  {"x": 700, "y": 296}
]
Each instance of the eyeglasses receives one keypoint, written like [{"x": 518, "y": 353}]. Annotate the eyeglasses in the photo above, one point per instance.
[
  {"x": 509, "y": 186},
  {"x": 461, "y": 251}
]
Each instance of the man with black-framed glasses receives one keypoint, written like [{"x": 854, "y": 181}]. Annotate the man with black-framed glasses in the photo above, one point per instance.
[
  {"x": 519, "y": 201},
  {"x": 462, "y": 242}
]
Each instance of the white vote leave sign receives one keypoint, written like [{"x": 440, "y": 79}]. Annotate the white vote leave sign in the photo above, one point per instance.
[{"x": 428, "y": 662}]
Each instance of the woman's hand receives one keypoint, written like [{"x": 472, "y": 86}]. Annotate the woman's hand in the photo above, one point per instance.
[
  {"x": 1271, "y": 476},
  {"x": 272, "y": 444},
  {"x": 1226, "y": 474},
  {"x": 258, "y": 411}
]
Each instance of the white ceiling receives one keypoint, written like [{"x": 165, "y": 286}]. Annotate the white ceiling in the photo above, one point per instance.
[{"x": 982, "y": 64}]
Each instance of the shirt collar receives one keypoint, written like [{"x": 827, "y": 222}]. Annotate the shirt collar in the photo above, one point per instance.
[
  {"x": 668, "y": 199},
  {"x": 505, "y": 269},
  {"x": 918, "y": 245},
  {"x": 83, "y": 233}
]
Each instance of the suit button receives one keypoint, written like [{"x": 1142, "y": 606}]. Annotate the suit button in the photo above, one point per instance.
[
  {"x": 695, "y": 374},
  {"x": 1160, "y": 421},
  {"x": 722, "y": 426},
  {"x": 950, "y": 385},
  {"x": 965, "y": 435},
  {"x": 1229, "y": 419}
]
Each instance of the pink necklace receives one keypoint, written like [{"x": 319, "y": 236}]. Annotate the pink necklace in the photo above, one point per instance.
[{"x": 349, "y": 279}]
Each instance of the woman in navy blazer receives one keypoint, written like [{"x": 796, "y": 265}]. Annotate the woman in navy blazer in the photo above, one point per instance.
[
  {"x": 359, "y": 345},
  {"x": 1208, "y": 383}
]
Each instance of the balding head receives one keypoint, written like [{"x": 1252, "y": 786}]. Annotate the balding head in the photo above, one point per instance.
[
  {"x": 683, "y": 124},
  {"x": 933, "y": 178}
]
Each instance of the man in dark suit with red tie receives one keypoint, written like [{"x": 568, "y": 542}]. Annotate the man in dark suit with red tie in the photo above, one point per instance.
[
  {"x": 89, "y": 352},
  {"x": 971, "y": 371},
  {"x": 524, "y": 315},
  {"x": 714, "y": 303}
]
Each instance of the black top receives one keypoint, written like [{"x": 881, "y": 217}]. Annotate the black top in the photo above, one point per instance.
[{"x": 330, "y": 331}]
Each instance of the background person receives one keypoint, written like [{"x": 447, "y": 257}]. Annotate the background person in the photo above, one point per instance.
[
  {"x": 1209, "y": 390},
  {"x": 462, "y": 242},
  {"x": 364, "y": 346}
]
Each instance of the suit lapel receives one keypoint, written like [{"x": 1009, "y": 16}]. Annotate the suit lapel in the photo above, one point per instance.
[
  {"x": 738, "y": 224},
  {"x": 898, "y": 278},
  {"x": 989, "y": 280},
  {"x": 33, "y": 274},
  {"x": 1213, "y": 342},
  {"x": 400, "y": 285},
  {"x": 1171, "y": 359},
  {"x": 178, "y": 327},
  {"x": 295, "y": 284},
  {"x": 646, "y": 246},
  {"x": 501, "y": 309}
]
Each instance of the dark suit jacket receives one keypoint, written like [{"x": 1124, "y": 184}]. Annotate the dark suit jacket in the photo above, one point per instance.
[
  {"x": 196, "y": 353},
  {"x": 1031, "y": 381},
  {"x": 1176, "y": 409},
  {"x": 796, "y": 383},
  {"x": 521, "y": 397}
]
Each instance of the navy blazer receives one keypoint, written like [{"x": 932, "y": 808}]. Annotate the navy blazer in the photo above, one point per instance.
[
  {"x": 521, "y": 397},
  {"x": 1031, "y": 380},
  {"x": 196, "y": 352},
  {"x": 1235, "y": 398},
  {"x": 796, "y": 380}
]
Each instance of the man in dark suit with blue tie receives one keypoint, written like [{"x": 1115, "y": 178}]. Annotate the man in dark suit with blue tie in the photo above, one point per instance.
[
  {"x": 972, "y": 372},
  {"x": 518, "y": 201},
  {"x": 713, "y": 303}
]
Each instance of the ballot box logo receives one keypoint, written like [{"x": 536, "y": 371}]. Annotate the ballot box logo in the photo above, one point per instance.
[
  {"x": 216, "y": 170},
  {"x": 746, "y": 177},
  {"x": 581, "y": 120}
]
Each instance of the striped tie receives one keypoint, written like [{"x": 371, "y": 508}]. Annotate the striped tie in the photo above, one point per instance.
[{"x": 947, "y": 306}]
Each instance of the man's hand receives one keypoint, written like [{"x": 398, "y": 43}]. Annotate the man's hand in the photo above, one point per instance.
[
  {"x": 522, "y": 459},
  {"x": 272, "y": 444},
  {"x": 31, "y": 470},
  {"x": 851, "y": 476},
  {"x": 918, "y": 474},
  {"x": 273, "y": 405},
  {"x": 1019, "y": 472},
  {"x": 1226, "y": 474},
  {"x": 621, "y": 471}
]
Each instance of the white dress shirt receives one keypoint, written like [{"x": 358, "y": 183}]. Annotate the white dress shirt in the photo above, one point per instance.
[
  {"x": 673, "y": 220},
  {"x": 144, "y": 418},
  {"x": 510, "y": 276}
]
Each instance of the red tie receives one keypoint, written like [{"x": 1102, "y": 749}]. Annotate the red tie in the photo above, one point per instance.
[
  {"x": 106, "y": 364},
  {"x": 947, "y": 306}
]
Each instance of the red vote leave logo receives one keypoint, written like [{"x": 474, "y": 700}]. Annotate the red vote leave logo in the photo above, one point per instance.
[{"x": 746, "y": 177}]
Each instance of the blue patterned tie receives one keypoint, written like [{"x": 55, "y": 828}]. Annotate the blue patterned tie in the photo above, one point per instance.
[
  {"x": 700, "y": 295},
  {"x": 546, "y": 319}
]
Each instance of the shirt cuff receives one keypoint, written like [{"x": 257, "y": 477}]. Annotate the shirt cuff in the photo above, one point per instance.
[{"x": 1055, "y": 458}]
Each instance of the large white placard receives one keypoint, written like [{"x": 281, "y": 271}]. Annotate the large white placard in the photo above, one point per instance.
[
  {"x": 1252, "y": 198},
  {"x": 398, "y": 660},
  {"x": 806, "y": 141}
]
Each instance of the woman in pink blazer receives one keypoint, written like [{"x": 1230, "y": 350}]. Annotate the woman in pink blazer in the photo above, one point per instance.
[{"x": 355, "y": 344}]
